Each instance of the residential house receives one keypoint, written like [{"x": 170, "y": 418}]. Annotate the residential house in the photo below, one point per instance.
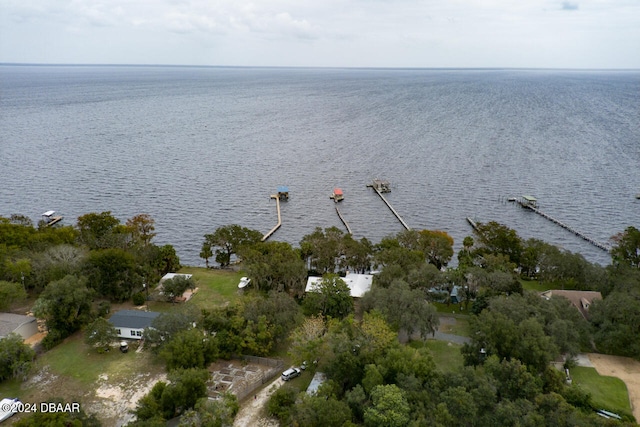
[
  {"x": 132, "y": 323},
  {"x": 581, "y": 300},
  {"x": 358, "y": 284}
]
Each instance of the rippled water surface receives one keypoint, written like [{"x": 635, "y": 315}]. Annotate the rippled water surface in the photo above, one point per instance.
[{"x": 198, "y": 148}]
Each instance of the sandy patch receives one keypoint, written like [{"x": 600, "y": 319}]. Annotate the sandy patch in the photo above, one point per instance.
[
  {"x": 251, "y": 411},
  {"x": 627, "y": 369},
  {"x": 113, "y": 401}
]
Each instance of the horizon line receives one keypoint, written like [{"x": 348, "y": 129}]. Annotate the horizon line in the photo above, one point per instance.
[{"x": 59, "y": 64}]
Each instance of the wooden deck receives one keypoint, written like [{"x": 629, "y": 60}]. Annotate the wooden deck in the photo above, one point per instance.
[
  {"x": 397, "y": 215},
  {"x": 273, "y": 230},
  {"x": 583, "y": 236},
  {"x": 343, "y": 220}
]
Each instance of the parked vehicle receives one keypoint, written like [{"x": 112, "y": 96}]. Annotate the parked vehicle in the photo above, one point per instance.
[
  {"x": 8, "y": 408},
  {"x": 290, "y": 374}
]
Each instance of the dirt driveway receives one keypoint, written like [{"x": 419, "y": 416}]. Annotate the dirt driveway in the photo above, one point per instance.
[
  {"x": 251, "y": 412},
  {"x": 628, "y": 370}
]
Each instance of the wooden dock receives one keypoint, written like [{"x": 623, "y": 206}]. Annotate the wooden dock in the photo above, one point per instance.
[
  {"x": 273, "y": 230},
  {"x": 404, "y": 224},
  {"x": 527, "y": 205},
  {"x": 343, "y": 220},
  {"x": 472, "y": 223}
]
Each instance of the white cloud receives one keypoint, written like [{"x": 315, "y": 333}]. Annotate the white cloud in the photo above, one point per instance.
[{"x": 427, "y": 33}]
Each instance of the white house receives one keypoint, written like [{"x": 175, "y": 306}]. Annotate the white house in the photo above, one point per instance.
[
  {"x": 358, "y": 284},
  {"x": 25, "y": 326},
  {"x": 132, "y": 323}
]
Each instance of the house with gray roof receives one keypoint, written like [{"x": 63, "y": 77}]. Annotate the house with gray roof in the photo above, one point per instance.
[
  {"x": 25, "y": 326},
  {"x": 132, "y": 323}
]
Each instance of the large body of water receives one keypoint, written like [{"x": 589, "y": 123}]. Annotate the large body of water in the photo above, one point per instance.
[{"x": 197, "y": 148}]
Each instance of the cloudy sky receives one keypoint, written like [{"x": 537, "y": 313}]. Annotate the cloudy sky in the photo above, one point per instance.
[{"x": 326, "y": 33}]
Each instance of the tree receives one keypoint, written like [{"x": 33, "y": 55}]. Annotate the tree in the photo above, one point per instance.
[
  {"x": 331, "y": 297},
  {"x": 212, "y": 413},
  {"x": 74, "y": 418},
  {"x": 320, "y": 411},
  {"x": 275, "y": 266},
  {"x": 113, "y": 273},
  {"x": 616, "y": 321},
  {"x": 229, "y": 239},
  {"x": 357, "y": 254},
  {"x": 495, "y": 238},
  {"x": 167, "y": 260},
  {"x": 101, "y": 231},
  {"x": 404, "y": 309},
  {"x": 307, "y": 339},
  {"x": 627, "y": 248},
  {"x": 16, "y": 357},
  {"x": 166, "y": 325},
  {"x": 141, "y": 228},
  {"x": 100, "y": 334},
  {"x": 175, "y": 287},
  {"x": 10, "y": 292},
  {"x": 206, "y": 252},
  {"x": 437, "y": 246},
  {"x": 189, "y": 349},
  {"x": 389, "y": 407},
  {"x": 322, "y": 249},
  {"x": 65, "y": 305}
]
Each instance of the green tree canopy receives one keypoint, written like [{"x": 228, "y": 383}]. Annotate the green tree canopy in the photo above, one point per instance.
[
  {"x": 65, "y": 305},
  {"x": 100, "y": 334},
  {"x": 15, "y": 357},
  {"x": 229, "y": 239},
  {"x": 331, "y": 298}
]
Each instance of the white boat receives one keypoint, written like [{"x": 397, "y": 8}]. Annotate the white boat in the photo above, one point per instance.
[{"x": 244, "y": 282}]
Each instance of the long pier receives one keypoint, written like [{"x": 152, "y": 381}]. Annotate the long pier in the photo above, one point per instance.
[
  {"x": 472, "y": 223},
  {"x": 583, "y": 236},
  {"x": 404, "y": 224},
  {"x": 273, "y": 230},
  {"x": 343, "y": 220}
]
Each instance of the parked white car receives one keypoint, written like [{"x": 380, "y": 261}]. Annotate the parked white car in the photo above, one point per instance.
[{"x": 290, "y": 374}]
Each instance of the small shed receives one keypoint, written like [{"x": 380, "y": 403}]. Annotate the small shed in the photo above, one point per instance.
[
  {"x": 25, "y": 326},
  {"x": 455, "y": 296},
  {"x": 132, "y": 323}
]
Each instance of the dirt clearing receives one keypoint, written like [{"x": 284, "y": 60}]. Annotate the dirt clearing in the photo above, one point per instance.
[
  {"x": 628, "y": 370},
  {"x": 252, "y": 409}
]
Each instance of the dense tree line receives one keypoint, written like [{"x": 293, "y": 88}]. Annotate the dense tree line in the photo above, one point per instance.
[
  {"x": 73, "y": 271},
  {"x": 373, "y": 380}
]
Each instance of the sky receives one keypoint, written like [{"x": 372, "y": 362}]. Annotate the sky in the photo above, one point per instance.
[{"x": 583, "y": 34}]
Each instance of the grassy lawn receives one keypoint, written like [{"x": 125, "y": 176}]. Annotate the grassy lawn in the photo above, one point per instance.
[
  {"x": 461, "y": 327},
  {"x": 216, "y": 287},
  {"x": 537, "y": 286},
  {"x": 451, "y": 308},
  {"x": 446, "y": 356},
  {"x": 608, "y": 393}
]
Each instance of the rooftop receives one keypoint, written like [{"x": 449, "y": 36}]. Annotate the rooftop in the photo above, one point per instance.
[
  {"x": 133, "y": 319},
  {"x": 9, "y": 322}
]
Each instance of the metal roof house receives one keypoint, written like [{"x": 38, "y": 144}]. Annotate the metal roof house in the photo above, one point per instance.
[
  {"x": 25, "y": 326},
  {"x": 132, "y": 323},
  {"x": 358, "y": 284}
]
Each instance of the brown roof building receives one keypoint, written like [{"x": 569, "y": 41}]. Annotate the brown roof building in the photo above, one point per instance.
[{"x": 582, "y": 300}]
